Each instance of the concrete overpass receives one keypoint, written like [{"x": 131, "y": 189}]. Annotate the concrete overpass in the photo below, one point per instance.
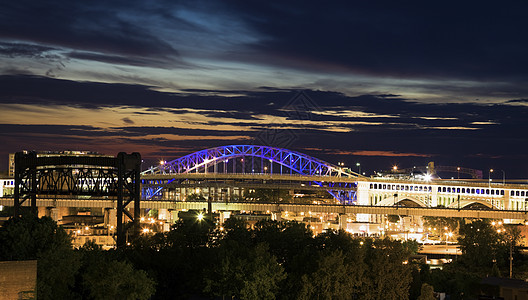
[{"x": 285, "y": 207}]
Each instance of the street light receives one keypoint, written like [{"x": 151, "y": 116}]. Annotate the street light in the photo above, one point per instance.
[
  {"x": 503, "y": 177},
  {"x": 458, "y": 172},
  {"x": 359, "y": 167},
  {"x": 489, "y": 177}
]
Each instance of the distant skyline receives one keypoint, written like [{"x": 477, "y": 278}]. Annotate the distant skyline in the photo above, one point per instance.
[{"x": 381, "y": 83}]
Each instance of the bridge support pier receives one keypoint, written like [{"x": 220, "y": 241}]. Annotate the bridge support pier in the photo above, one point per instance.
[
  {"x": 56, "y": 213},
  {"x": 507, "y": 200},
  {"x": 42, "y": 211},
  {"x": 343, "y": 221},
  {"x": 110, "y": 217},
  {"x": 173, "y": 216},
  {"x": 223, "y": 215},
  {"x": 363, "y": 199},
  {"x": 163, "y": 214}
]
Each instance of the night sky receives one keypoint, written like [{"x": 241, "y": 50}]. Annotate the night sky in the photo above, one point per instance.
[{"x": 380, "y": 83}]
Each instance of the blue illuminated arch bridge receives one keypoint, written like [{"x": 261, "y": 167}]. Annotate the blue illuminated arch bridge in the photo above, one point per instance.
[{"x": 250, "y": 160}]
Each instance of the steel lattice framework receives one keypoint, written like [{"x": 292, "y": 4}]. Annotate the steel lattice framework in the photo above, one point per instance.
[
  {"x": 210, "y": 160},
  {"x": 118, "y": 177}
]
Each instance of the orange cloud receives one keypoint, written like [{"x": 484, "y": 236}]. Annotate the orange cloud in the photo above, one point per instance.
[
  {"x": 367, "y": 152},
  {"x": 381, "y": 153}
]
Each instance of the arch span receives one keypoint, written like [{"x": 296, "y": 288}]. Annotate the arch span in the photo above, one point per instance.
[
  {"x": 467, "y": 203},
  {"x": 390, "y": 201},
  {"x": 298, "y": 162}
]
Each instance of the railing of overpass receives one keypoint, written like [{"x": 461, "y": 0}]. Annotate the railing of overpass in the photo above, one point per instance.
[{"x": 293, "y": 207}]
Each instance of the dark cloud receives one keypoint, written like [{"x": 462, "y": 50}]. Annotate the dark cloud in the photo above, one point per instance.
[
  {"x": 472, "y": 135},
  {"x": 127, "y": 121},
  {"x": 26, "y": 50},
  {"x": 142, "y": 131},
  {"x": 518, "y": 101},
  {"x": 95, "y": 27},
  {"x": 409, "y": 40}
]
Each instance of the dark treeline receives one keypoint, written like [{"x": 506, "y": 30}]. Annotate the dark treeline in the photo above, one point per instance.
[{"x": 272, "y": 260}]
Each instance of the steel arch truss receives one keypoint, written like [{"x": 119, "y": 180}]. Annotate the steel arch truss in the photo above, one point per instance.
[{"x": 210, "y": 160}]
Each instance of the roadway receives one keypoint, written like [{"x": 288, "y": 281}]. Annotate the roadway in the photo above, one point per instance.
[
  {"x": 279, "y": 207},
  {"x": 450, "y": 249}
]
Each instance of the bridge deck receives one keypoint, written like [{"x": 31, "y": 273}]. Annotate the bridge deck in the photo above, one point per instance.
[{"x": 297, "y": 208}]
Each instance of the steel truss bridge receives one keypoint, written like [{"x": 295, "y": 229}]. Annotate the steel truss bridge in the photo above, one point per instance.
[
  {"x": 250, "y": 166},
  {"x": 227, "y": 172},
  {"x": 41, "y": 175}
]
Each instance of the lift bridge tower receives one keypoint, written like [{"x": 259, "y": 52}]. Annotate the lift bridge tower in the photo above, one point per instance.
[{"x": 81, "y": 174}]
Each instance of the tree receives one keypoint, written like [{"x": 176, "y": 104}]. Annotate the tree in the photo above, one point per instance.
[
  {"x": 386, "y": 261},
  {"x": 440, "y": 223},
  {"x": 191, "y": 233},
  {"x": 335, "y": 278},
  {"x": 30, "y": 237},
  {"x": 286, "y": 240},
  {"x": 411, "y": 246},
  {"x": 236, "y": 229},
  {"x": 427, "y": 292},
  {"x": 244, "y": 272},
  {"x": 481, "y": 247},
  {"x": 263, "y": 275},
  {"x": 110, "y": 279}
]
